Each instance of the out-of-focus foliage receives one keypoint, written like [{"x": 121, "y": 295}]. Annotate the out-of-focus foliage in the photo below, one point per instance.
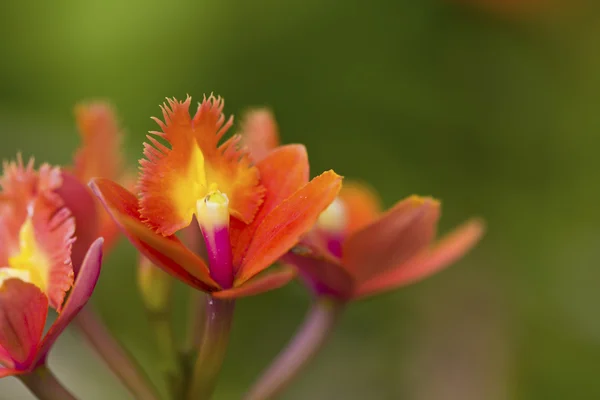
[{"x": 494, "y": 113}]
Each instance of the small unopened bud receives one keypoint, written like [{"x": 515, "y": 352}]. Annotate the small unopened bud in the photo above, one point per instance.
[{"x": 155, "y": 286}]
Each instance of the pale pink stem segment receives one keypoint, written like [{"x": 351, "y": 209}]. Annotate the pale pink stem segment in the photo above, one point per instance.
[
  {"x": 114, "y": 355},
  {"x": 213, "y": 346},
  {"x": 42, "y": 383},
  {"x": 307, "y": 342}
]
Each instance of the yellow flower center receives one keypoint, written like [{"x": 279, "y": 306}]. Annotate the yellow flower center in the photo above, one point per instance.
[{"x": 28, "y": 265}]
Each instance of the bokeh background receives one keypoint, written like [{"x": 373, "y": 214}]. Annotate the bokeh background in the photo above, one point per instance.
[{"x": 490, "y": 105}]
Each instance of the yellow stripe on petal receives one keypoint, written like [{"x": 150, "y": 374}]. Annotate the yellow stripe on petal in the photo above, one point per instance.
[{"x": 30, "y": 261}]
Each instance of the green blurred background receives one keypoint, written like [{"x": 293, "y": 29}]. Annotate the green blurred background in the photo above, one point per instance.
[{"x": 494, "y": 113}]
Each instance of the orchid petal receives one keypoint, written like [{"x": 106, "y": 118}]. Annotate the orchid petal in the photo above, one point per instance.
[
  {"x": 361, "y": 205},
  {"x": 392, "y": 239},
  {"x": 82, "y": 291},
  {"x": 259, "y": 133},
  {"x": 285, "y": 224},
  {"x": 282, "y": 173},
  {"x": 264, "y": 283},
  {"x": 79, "y": 200},
  {"x": 23, "y": 311},
  {"x": 176, "y": 175},
  {"x": 322, "y": 274},
  {"x": 448, "y": 250}
]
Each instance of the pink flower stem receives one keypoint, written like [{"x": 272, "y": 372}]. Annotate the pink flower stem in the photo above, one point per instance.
[
  {"x": 307, "y": 342},
  {"x": 44, "y": 385},
  {"x": 114, "y": 355},
  {"x": 213, "y": 346}
]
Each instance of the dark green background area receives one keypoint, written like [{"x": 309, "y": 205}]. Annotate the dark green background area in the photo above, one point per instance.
[{"x": 497, "y": 116}]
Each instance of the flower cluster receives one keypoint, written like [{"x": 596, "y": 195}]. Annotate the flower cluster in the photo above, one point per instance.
[{"x": 229, "y": 217}]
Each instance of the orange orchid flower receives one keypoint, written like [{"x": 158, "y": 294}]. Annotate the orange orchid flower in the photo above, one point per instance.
[
  {"x": 355, "y": 250},
  {"x": 36, "y": 269},
  {"x": 250, "y": 215}
]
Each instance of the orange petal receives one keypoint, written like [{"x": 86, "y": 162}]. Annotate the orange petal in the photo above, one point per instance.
[
  {"x": 362, "y": 205},
  {"x": 393, "y": 238},
  {"x": 175, "y": 176},
  {"x": 283, "y": 226},
  {"x": 282, "y": 173},
  {"x": 166, "y": 252},
  {"x": 259, "y": 132},
  {"x": 78, "y": 198},
  {"x": 442, "y": 254},
  {"x": 100, "y": 154},
  {"x": 261, "y": 284},
  {"x": 322, "y": 274},
  {"x": 23, "y": 310}
]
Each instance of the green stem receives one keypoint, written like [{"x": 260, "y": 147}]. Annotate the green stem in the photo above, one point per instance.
[
  {"x": 307, "y": 342},
  {"x": 44, "y": 385},
  {"x": 213, "y": 346},
  {"x": 114, "y": 355},
  {"x": 196, "y": 319}
]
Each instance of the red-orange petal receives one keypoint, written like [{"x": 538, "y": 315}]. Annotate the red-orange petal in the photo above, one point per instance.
[
  {"x": 285, "y": 224},
  {"x": 23, "y": 311},
  {"x": 395, "y": 237},
  {"x": 100, "y": 153},
  {"x": 361, "y": 204},
  {"x": 448, "y": 250},
  {"x": 176, "y": 175},
  {"x": 282, "y": 173},
  {"x": 78, "y": 198},
  {"x": 78, "y": 298},
  {"x": 259, "y": 132},
  {"x": 321, "y": 273},
  {"x": 166, "y": 252},
  {"x": 264, "y": 283}
]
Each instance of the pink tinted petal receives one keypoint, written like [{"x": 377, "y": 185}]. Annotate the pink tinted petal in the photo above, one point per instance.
[
  {"x": 282, "y": 173},
  {"x": 80, "y": 201},
  {"x": 259, "y": 132},
  {"x": 82, "y": 290},
  {"x": 323, "y": 275},
  {"x": 362, "y": 205},
  {"x": 4, "y": 372},
  {"x": 261, "y": 284},
  {"x": 23, "y": 311},
  {"x": 395, "y": 237},
  {"x": 167, "y": 253},
  {"x": 442, "y": 254}
]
